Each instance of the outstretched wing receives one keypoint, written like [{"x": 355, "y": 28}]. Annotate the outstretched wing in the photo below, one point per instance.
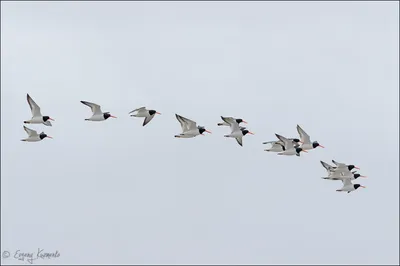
[
  {"x": 95, "y": 107},
  {"x": 304, "y": 137},
  {"x": 138, "y": 109},
  {"x": 232, "y": 123},
  {"x": 30, "y": 132},
  {"x": 328, "y": 167},
  {"x": 341, "y": 165},
  {"x": 186, "y": 123},
  {"x": 148, "y": 119},
  {"x": 239, "y": 140},
  {"x": 287, "y": 143},
  {"x": 35, "y": 109}
]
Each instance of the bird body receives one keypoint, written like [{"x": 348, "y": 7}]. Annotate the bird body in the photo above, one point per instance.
[
  {"x": 37, "y": 117},
  {"x": 143, "y": 112},
  {"x": 33, "y": 136},
  {"x": 97, "y": 114},
  {"x": 189, "y": 128}
]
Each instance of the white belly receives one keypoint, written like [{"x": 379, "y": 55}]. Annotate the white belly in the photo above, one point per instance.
[
  {"x": 97, "y": 118},
  {"x": 307, "y": 146},
  {"x": 32, "y": 139},
  {"x": 36, "y": 120}
]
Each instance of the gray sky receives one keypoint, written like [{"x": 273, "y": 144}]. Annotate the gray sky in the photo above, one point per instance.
[{"x": 117, "y": 192}]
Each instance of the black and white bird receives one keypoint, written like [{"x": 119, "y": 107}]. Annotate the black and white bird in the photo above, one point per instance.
[
  {"x": 348, "y": 186},
  {"x": 189, "y": 128},
  {"x": 306, "y": 141},
  {"x": 33, "y": 136},
  {"x": 37, "y": 117},
  {"x": 237, "y": 131},
  {"x": 289, "y": 148},
  {"x": 238, "y": 120},
  {"x": 97, "y": 114},
  {"x": 278, "y": 145},
  {"x": 143, "y": 112},
  {"x": 341, "y": 176},
  {"x": 335, "y": 171}
]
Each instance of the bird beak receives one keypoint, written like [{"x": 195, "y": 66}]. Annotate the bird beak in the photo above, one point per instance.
[
  {"x": 208, "y": 131},
  {"x": 363, "y": 176},
  {"x": 356, "y": 167},
  {"x": 304, "y": 151},
  {"x": 49, "y": 137},
  {"x": 321, "y": 146},
  {"x": 158, "y": 113},
  {"x": 300, "y": 142},
  {"x": 363, "y": 186},
  {"x": 51, "y": 119},
  {"x": 251, "y": 133},
  {"x": 244, "y": 121},
  {"x": 113, "y": 116}
]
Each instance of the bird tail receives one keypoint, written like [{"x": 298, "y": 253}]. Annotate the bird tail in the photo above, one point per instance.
[
  {"x": 220, "y": 124},
  {"x": 26, "y": 122}
]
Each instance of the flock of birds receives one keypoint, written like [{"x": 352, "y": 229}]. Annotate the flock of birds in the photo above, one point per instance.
[{"x": 190, "y": 129}]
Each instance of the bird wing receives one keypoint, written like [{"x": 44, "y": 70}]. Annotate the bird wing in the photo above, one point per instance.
[
  {"x": 239, "y": 140},
  {"x": 35, "y": 109},
  {"x": 95, "y": 107},
  {"x": 327, "y": 166},
  {"x": 48, "y": 123},
  {"x": 138, "y": 109},
  {"x": 270, "y": 142},
  {"x": 148, "y": 119},
  {"x": 304, "y": 137},
  {"x": 288, "y": 143},
  {"x": 232, "y": 123},
  {"x": 186, "y": 123},
  {"x": 30, "y": 132},
  {"x": 339, "y": 164}
]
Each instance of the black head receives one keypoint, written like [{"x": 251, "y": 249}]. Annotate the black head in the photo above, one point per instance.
[
  {"x": 244, "y": 132},
  {"x": 296, "y": 140},
  {"x": 350, "y": 167},
  {"x": 202, "y": 130},
  {"x": 356, "y": 176},
  {"x": 42, "y": 135},
  {"x": 106, "y": 115},
  {"x": 239, "y": 120},
  {"x": 298, "y": 150},
  {"x": 356, "y": 186},
  {"x": 45, "y": 118},
  {"x": 315, "y": 144},
  {"x": 152, "y": 112}
]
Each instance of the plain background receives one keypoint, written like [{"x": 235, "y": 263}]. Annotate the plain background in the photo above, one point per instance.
[{"x": 117, "y": 192}]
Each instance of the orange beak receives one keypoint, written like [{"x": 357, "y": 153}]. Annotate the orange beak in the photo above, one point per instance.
[
  {"x": 363, "y": 176},
  {"x": 363, "y": 186},
  {"x": 304, "y": 151},
  {"x": 158, "y": 113},
  {"x": 321, "y": 146},
  {"x": 51, "y": 119},
  {"x": 356, "y": 167},
  {"x": 49, "y": 137},
  {"x": 251, "y": 133},
  {"x": 244, "y": 121},
  {"x": 113, "y": 116},
  {"x": 208, "y": 131}
]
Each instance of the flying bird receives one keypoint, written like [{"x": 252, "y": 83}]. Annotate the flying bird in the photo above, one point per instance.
[
  {"x": 352, "y": 176},
  {"x": 147, "y": 114},
  {"x": 305, "y": 139},
  {"x": 289, "y": 149},
  {"x": 348, "y": 186},
  {"x": 37, "y": 117},
  {"x": 237, "y": 131},
  {"x": 189, "y": 128},
  {"x": 338, "y": 171},
  {"x": 238, "y": 120},
  {"x": 97, "y": 115},
  {"x": 33, "y": 136},
  {"x": 341, "y": 166},
  {"x": 279, "y": 145}
]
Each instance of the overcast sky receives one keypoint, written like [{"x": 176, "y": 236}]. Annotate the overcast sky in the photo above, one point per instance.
[{"x": 117, "y": 192}]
